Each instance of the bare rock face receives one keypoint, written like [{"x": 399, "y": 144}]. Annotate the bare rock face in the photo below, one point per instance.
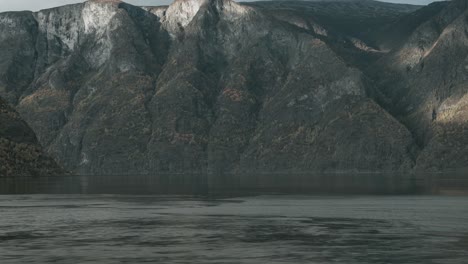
[
  {"x": 179, "y": 14},
  {"x": 20, "y": 153},
  {"x": 217, "y": 86},
  {"x": 18, "y": 33}
]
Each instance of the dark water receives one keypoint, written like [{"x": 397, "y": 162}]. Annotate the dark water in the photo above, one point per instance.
[
  {"x": 241, "y": 184},
  {"x": 264, "y": 229}
]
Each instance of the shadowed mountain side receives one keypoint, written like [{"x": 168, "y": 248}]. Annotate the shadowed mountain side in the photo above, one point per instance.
[
  {"x": 357, "y": 135},
  {"x": 20, "y": 153},
  {"x": 363, "y": 21}
]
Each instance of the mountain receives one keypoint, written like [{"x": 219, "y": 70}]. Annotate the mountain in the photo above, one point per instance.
[
  {"x": 224, "y": 87},
  {"x": 424, "y": 83},
  {"x": 20, "y": 153}
]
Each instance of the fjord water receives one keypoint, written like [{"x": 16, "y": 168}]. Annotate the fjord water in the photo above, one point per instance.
[
  {"x": 263, "y": 229},
  {"x": 241, "y": 184}
]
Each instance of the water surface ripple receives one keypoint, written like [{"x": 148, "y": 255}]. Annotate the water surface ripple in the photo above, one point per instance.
[{"x": 264, "y": 229}]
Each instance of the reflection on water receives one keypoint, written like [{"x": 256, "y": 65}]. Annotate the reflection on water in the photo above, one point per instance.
[
  {"x": 266, "y": 229},
  {"x": 233, "y": 184}
]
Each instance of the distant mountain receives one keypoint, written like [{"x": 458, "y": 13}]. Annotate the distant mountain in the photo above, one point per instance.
[{"x": 217, "y": 86}]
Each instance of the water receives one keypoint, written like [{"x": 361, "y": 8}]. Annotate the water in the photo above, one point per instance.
[
  {"x": 263, "y": 229},
  {"x": 241, "y": 184}
]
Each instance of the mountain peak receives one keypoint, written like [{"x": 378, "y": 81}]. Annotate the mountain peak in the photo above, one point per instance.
[
  {"x": 181, "y": 12},
  {"x": 97, "y": 13},
  {"x": 105, "y": 1}
]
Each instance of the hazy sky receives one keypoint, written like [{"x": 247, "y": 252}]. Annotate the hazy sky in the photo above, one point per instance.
[{"x": 9, "y": 5}]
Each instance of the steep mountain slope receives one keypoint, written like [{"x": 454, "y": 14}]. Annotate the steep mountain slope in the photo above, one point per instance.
[
  {"x": 206, "y": 86},
  {"x": 20, "y": 153},
  {"x": 425, "y": 83}
]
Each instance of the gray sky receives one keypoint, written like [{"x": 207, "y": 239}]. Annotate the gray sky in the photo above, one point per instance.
[{"x": 10, "y": 5}]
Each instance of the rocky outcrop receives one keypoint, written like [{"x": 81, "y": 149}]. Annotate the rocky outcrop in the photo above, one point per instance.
[
  {"x": 213, "y": 86},
  {"x": 20, "y": 153}
]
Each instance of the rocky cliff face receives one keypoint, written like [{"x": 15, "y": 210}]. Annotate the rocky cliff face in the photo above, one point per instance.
[
  {"x": 217, "y": 86},
  {"x": 20, "y": 153}
]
